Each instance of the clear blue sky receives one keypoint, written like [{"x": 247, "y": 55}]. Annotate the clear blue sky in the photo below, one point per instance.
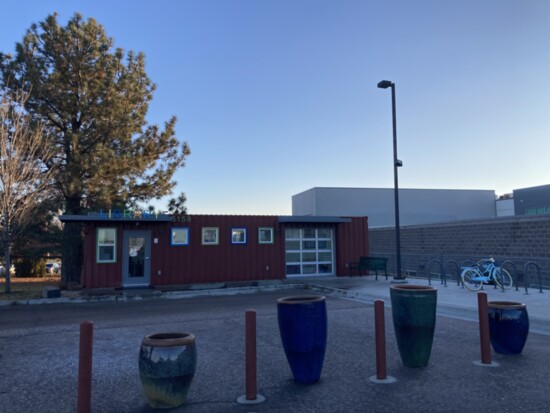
[{"x": 276, "y": 97}]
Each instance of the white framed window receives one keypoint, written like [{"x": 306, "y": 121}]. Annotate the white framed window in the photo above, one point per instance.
[
  {"x": 210, "y": 236},
  {"x": 179, "y": 236},
  {"x": 309, "y": 251},
  {"x": 265, "y": 235},
  {"x": 106, "y": 245},
  {"x": 238, "y": 235}
]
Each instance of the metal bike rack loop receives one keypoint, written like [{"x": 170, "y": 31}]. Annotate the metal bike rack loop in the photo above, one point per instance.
[
  {"x": 457, "y": 269},
  {"x": 539, "y": 278},
  {"x": 515, "y": 272},
  {"x": 441, "y": 272}
]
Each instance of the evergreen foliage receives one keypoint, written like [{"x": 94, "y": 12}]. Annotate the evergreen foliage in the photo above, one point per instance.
[{"x": 92, "y": 99}]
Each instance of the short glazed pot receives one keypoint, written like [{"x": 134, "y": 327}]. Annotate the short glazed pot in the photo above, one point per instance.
[
  {"x": 167, "y": 365},
  {"x": 508, "y": 326}
]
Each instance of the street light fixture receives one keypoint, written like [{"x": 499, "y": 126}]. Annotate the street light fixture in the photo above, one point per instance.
[{"x": 384, "y": 84}]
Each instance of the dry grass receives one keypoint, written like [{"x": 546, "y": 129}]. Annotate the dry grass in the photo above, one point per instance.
[{"x": 26, "y": 288}]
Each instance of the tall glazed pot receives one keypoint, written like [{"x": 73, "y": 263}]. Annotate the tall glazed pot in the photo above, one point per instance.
[
  {"x": 303, "y": 329},
  {"x": 167, "y": 365},
  {"x": 413, "y": 314},
  {"x": 508, "y": 326}
]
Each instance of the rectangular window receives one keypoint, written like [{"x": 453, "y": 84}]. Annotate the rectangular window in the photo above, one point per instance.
[
  {"x": 106, "y": 245},
  {"x": 179, "y": 236},
  {"x": 238, "y": 235},
  {"x": 265, "y": 235},
  {"x": 210, "y": 236}
]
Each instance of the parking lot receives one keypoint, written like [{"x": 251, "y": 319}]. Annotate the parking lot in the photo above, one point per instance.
[{"x": 39, "y": 360}]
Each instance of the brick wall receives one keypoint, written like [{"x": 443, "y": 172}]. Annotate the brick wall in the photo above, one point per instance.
[{"x": 519, "y": 239}]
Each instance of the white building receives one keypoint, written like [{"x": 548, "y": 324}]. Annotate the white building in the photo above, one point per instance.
[{"x": 416, "y": 206}]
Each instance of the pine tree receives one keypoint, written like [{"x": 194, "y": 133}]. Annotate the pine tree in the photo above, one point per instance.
[{"x": 92, "y": 99}]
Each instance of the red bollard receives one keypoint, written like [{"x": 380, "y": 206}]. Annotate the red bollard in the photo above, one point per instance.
[
  {"x": 251, "y": 385},
  {"x": 484, "y": 327},
  {"x": 380, "y": 331},
  {"x": 84, "y": 401},
  {"x": 380, "y": 341},
  {"x": 251, "y": 396}
]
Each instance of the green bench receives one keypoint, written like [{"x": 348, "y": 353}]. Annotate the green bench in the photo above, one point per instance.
[{"x": 369, "y": 264}]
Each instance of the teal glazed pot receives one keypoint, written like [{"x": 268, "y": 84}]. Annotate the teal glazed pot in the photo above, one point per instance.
[
  {"x": 413, "y": 313},
  {"x": 303, "y": 330},
  {"x": 508, "y": 326},
  {"x": 167, "y": 364}
]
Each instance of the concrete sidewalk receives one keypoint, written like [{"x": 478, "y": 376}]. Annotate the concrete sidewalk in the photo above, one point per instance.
[{"x": 452, "y": 300}]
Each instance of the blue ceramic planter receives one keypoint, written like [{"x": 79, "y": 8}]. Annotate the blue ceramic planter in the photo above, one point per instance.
[
  {"x": 508, "y": 326},
  {"x": 167, "y": 364},
  {"x": 413, "y": 313},
  {"x": 303, "y": 329}
]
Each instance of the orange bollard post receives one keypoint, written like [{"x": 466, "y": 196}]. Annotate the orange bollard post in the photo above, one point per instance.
[
  {"x": 380, "y": 332},
  {"x": 251, "y": 396},
  {"x": 251, "y": 384},
  {"x": 484, "y": 327},
  {"x": 84, "y": 401},
  {"x": 380, "y": 344}
]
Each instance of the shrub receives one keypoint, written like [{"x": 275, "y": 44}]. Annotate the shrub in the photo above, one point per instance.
[{"x": 30, "y": 267}]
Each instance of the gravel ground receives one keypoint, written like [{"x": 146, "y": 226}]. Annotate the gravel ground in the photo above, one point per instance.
[{"x": 39, "y": 361}]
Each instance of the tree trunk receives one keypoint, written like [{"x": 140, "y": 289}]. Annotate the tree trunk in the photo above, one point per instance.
[
  {"x": 7, "y": 266},
  {"x": 72, "y": 249},
  {"x": 72, "y": 246}
]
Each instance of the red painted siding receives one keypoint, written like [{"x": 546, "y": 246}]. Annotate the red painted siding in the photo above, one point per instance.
[
  {"x": 352, "y": 241},
  {"x": 197, "y": 263}
]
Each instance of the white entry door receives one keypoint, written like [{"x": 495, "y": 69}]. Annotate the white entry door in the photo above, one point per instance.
[{"x": 136, "y": 265}]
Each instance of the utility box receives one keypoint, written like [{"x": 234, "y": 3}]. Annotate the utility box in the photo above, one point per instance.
[{"x": 51, "y": 292}]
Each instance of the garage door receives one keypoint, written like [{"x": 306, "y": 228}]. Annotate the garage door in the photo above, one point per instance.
[{"x": 309, "y": 251}]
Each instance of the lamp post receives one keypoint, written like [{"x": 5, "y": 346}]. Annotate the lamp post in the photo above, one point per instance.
[{"x": 384, "y": 84}]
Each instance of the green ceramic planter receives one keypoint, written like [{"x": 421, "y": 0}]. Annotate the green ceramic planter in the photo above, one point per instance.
[
  {"x": 413, "y": 313},
  {"x": 167, "y": 364}
]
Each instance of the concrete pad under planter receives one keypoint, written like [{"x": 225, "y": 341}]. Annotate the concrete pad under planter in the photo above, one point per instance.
[{"x": 51, "y": 292}]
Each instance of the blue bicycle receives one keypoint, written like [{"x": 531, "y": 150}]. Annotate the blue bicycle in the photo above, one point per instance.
[{"x": 483, "y": 272}]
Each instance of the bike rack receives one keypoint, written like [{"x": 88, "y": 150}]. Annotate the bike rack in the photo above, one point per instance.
[
  {"x": 457, "y": 269},
  {"x": 515, "y": 272},
  {"x": 538, "y": 275},
  {"x": 441, "y": 272},
  {"x": 466, "y": 263}
]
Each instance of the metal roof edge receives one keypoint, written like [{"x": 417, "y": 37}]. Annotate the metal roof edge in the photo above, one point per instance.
[
  {"x": 106, "y": 218},
  {"x": 312, "y": 219}
]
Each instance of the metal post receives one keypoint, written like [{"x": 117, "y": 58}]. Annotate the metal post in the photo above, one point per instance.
[
  {"x": 384, "y": 84},
  {"x": 251, "y": 395},
  {"x": 380, "y": 341},
  {"x": 84, "y": 402},
  {"x": 251, "y": 385},
  {"x": 380, "y": 333},
  {"x": 484, "y": 327},
  {"x": 396, "y": 164}
]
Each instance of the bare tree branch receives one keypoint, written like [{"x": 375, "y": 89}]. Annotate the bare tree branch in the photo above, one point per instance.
[{"x": 25, "y": 179}]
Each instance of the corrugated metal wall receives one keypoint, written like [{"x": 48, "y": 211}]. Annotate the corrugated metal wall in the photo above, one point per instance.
[
  {"x": 197, "y": 263},
  {"x": 352, "y": 242}
]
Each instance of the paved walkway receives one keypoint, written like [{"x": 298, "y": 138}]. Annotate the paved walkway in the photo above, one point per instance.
[{"x": 452, "y": 300}]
